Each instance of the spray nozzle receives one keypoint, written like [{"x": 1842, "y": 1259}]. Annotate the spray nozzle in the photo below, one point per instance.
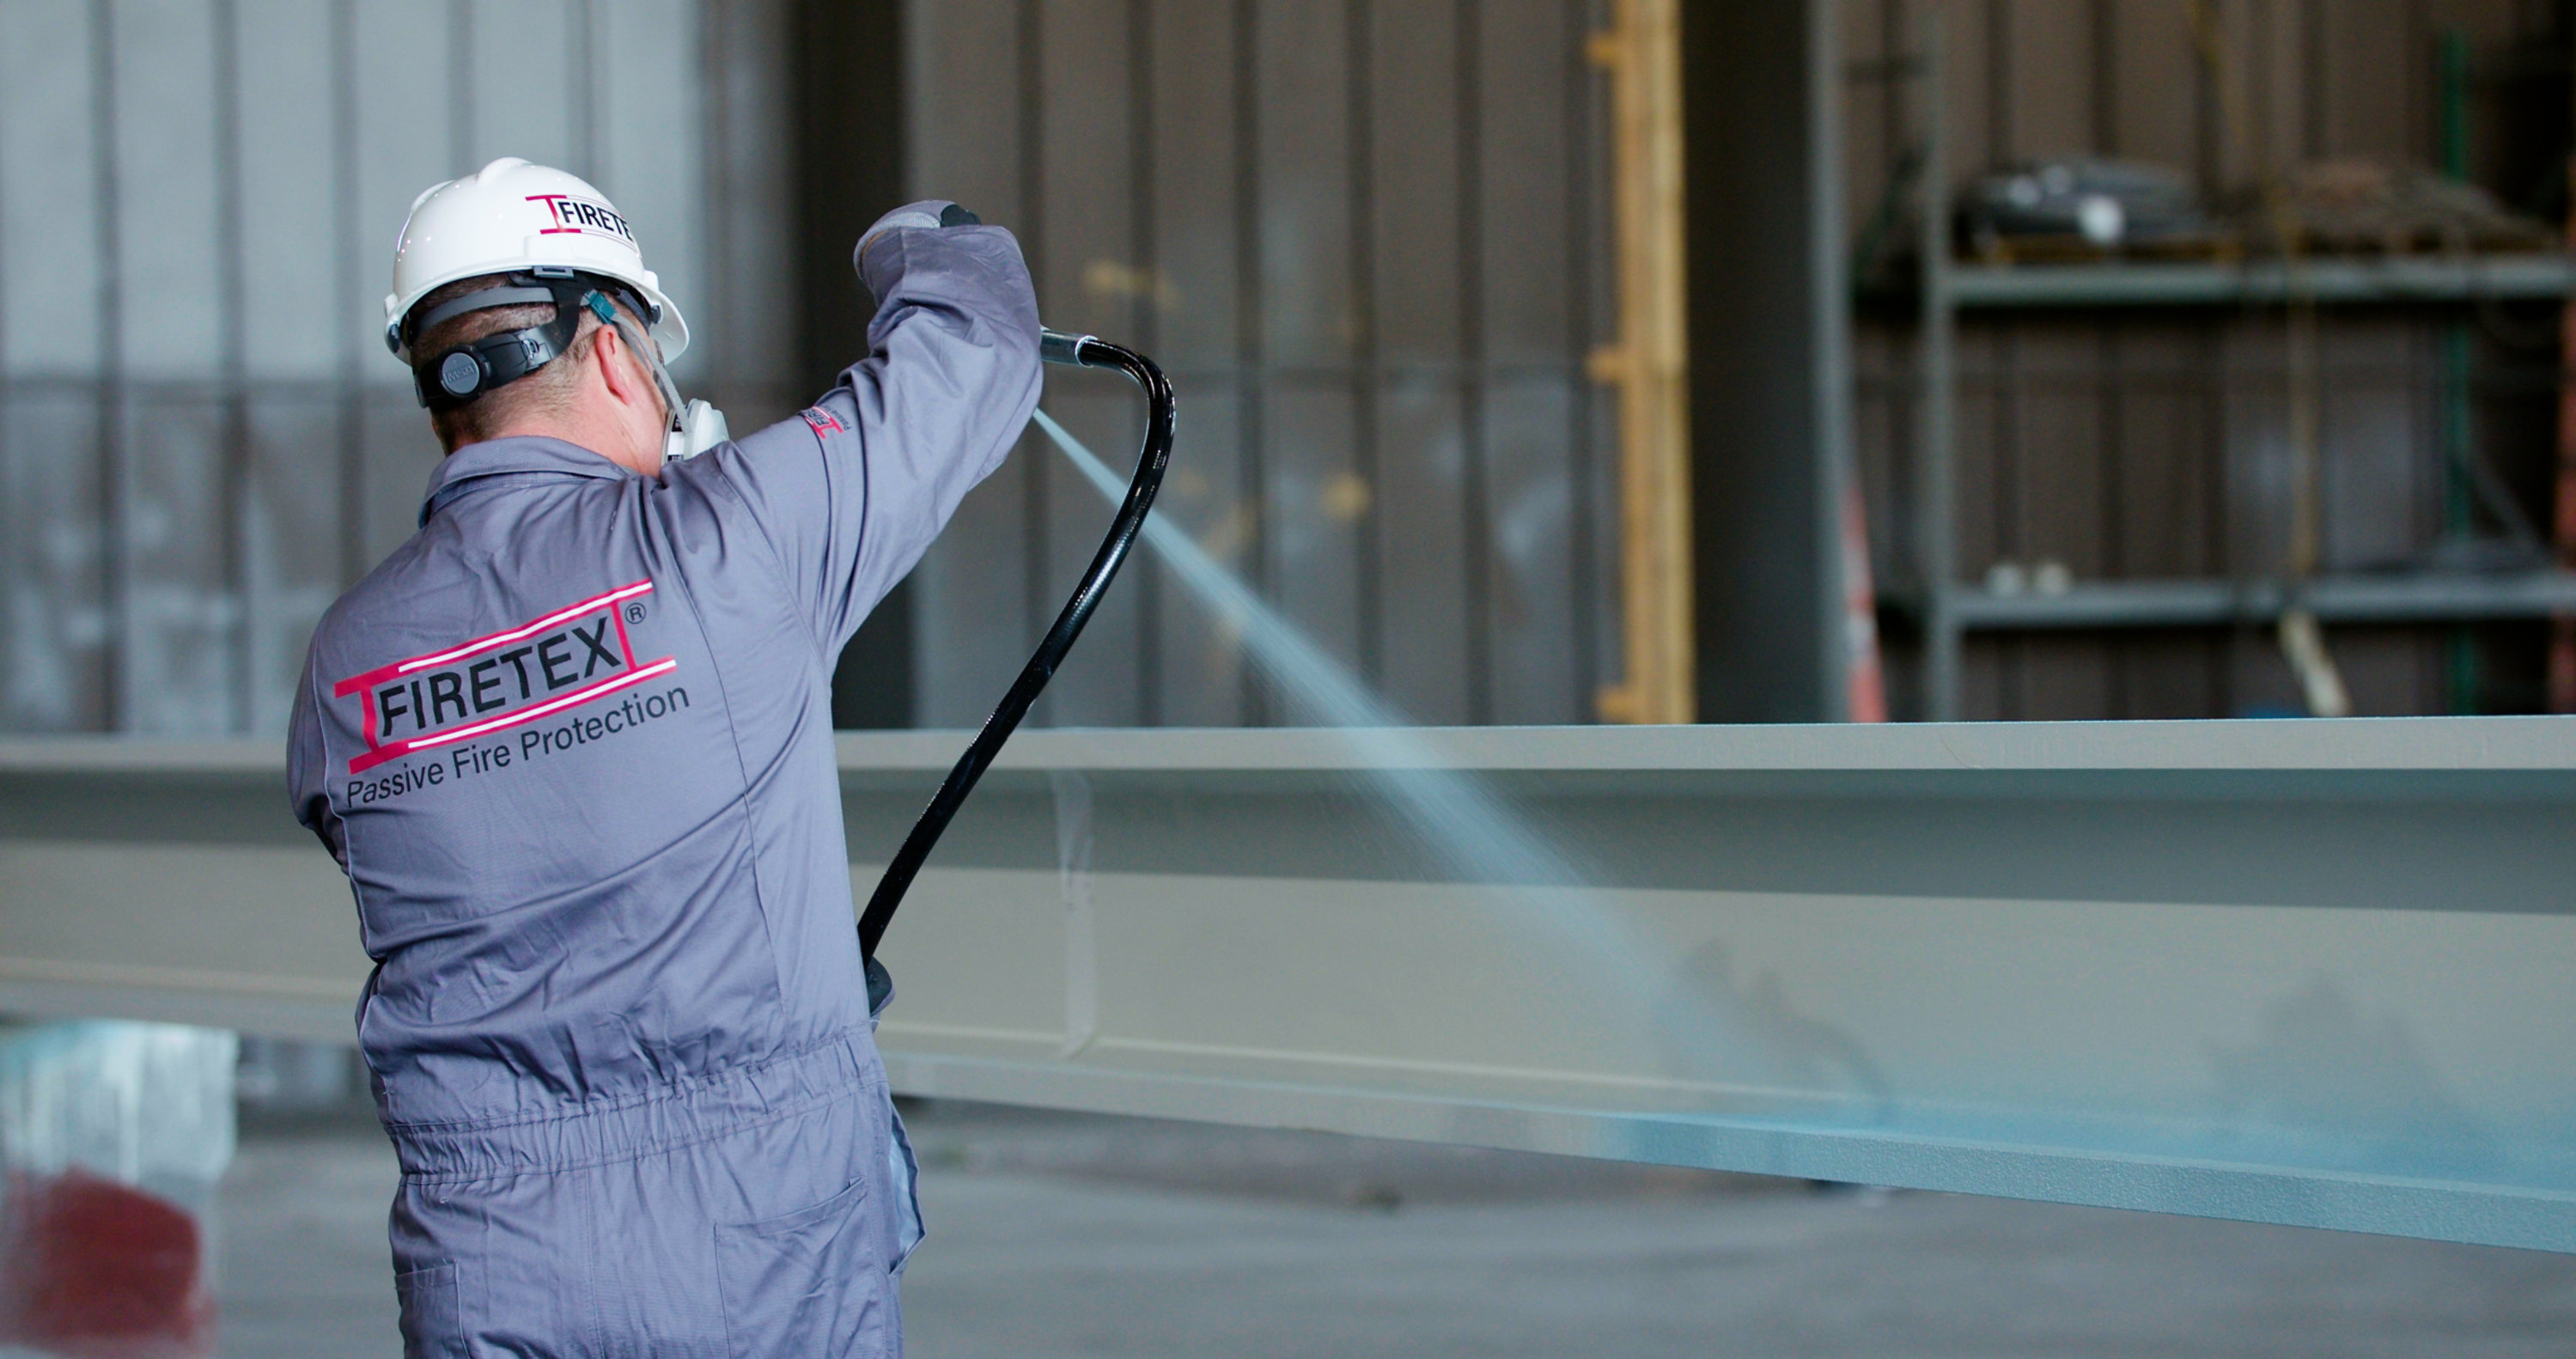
[{"x": 1055, "y": 346}]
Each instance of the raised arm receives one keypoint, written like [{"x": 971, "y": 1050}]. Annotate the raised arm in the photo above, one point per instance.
[{"x": 852, "y": 492}]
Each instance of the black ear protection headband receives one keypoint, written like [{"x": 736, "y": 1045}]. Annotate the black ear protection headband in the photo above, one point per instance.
[{"x": 464, "y": 372}]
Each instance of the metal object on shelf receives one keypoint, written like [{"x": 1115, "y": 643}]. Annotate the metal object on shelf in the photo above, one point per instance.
[
  {"x": 2309, "y": 972},
  {"x": 2084, "y": 203}
]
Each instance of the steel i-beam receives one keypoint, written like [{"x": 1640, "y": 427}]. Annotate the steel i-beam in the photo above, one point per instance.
[{"x": 2304, "y": 972}]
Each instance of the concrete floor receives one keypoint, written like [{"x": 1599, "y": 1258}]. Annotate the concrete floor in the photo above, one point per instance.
[{"x": 1058, "y": 1235}]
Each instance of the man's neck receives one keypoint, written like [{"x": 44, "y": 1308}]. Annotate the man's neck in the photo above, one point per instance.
[{"x": 600, "y": 437}]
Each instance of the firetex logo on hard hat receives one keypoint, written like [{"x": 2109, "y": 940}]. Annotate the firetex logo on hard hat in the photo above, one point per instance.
[
  {"x": 583, "y": 217},
  {"x": 575, "y": 655}
]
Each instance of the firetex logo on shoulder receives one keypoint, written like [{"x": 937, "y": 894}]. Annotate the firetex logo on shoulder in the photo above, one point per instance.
[{"x": 576, "y": 655}]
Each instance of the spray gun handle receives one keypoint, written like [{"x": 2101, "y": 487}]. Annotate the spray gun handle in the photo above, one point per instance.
[{"x": 1058, "y": 347}]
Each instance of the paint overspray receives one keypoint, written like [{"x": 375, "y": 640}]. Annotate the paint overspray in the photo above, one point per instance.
[{"x": 1708, "y": 1036}]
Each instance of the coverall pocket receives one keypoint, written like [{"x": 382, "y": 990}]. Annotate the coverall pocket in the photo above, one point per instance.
[
  {"x": 432, "y": 1327},
  {"x": 807, "y": 1283}
]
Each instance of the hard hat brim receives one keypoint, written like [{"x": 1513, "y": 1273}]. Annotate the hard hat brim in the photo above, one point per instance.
[{"x": 671, "y": 332}]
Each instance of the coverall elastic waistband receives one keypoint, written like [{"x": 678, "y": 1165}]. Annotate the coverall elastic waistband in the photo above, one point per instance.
[{"x": 673, "y": 1117}]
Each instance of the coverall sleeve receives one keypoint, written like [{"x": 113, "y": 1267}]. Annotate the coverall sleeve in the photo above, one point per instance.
[
  {"x": 852, "y": 493},
  {"x": 308, "y": 786}
]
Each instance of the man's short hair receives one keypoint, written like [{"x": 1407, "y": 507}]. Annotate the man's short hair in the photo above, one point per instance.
[{"x": 547, "y": 391}]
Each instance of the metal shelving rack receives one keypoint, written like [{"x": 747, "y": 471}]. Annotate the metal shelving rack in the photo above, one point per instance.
[{"x": 1949, "y": 608}]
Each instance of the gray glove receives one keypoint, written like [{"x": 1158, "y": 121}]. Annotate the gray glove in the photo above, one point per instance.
[{"x": 927, "y": 215}]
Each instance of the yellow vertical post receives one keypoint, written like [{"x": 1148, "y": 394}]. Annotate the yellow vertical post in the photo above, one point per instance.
[{"x": 1650, "y": 365}]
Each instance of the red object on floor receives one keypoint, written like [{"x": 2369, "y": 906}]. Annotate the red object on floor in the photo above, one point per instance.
[{"x": 101, "y": 1270}]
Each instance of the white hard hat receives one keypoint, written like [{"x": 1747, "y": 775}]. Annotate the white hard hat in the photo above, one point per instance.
[{"x": 513, "y": 217}]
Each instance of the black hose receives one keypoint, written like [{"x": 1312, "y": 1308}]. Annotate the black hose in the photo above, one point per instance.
[{"x": 1088, "y": 352}]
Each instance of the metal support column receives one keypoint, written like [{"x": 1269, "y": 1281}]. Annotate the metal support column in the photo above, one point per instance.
[
  {"x": 1770, "y": 358},
  {"x": 849, "y": 67},
  {"x": 1936, "y": 534}
]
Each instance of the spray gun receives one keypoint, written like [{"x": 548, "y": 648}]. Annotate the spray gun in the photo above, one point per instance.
[{"x": 1161, "y": 422}]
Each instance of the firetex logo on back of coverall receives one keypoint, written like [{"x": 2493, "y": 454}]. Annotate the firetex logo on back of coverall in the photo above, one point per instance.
[{"x": 577, "y": 655}]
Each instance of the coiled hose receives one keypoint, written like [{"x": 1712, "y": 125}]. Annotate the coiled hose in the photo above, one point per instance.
[{"x": 1161, "y": 422}]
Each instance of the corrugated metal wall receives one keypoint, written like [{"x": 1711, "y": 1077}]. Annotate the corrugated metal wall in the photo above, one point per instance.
[
  {"x": 2144, "y": 445},
  {"x": 1367, "y": 238},
  {"x": 201, "y": 438}
]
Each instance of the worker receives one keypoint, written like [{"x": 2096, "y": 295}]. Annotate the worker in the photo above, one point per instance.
[{"x": 572, "y": 745}]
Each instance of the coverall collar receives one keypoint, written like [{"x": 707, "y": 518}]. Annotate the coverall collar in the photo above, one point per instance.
[{"x": 516, "y": 455}]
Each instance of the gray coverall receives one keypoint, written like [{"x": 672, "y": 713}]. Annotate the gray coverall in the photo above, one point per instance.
[{"x": 572, "y": 743}]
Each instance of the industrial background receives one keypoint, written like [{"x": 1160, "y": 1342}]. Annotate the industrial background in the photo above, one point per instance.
[
  {"x": 1549, "y": 362},
  {"x": 1403, "y": 261}
]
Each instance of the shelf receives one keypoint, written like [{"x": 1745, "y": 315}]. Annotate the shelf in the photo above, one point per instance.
[
  {"x": 2385, "y": 279},
  {"x": 2414, "y": 597},
  {"x": 1943, "y": 287}
]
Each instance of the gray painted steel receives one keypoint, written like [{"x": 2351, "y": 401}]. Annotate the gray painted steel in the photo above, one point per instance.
[{"x": 2300, "y": 972}]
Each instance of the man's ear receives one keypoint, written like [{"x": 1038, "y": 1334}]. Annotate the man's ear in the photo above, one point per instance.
[{"x": 608, "y": 351}]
